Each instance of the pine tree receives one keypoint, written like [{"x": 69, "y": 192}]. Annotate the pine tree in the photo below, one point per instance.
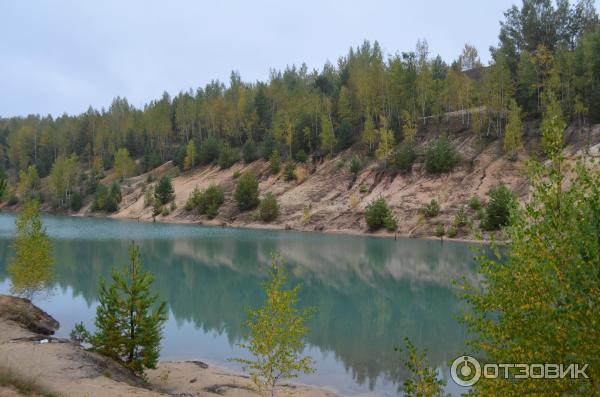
[
  {"x": 31, "y": 267},
  {"x": 514, "y": 130},
  {"x": 128, "y": 329},
  {"x": 163, "y": 193},
  {"x": 276, "y": 332}
]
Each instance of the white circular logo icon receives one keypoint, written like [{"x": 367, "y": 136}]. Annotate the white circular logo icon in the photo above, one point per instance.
[{"x": 465, "y": 371}]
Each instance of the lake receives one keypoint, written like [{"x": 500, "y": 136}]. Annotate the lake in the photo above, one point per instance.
[{"x": 369, "y": 293}]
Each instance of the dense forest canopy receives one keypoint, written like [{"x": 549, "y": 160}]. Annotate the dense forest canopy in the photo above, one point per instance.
[{"x": 543, "y": 47}]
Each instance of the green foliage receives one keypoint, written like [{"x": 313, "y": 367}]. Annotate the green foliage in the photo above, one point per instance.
[
  {"x": 440, "y": 156},
  {"x": 249, "y": 152},
  {"x": 460, "y": 218},
  {"x": 497, "y": 211},
  {"x": 514, "y": 130},
  {"x": 276, "y": 337},
  {"x": 228, "y": 156},
  {"x": 390, "y": 222},
  {"x": 76, "y": 201},
  {"x": 451, "y": 231},
  {"x": 440, "y": 230},
  {"x": 289, "y": 171},
  {"x": 246, "y": 192},
  {"x": 163, "y": 192},
  {"x": 301, "y": 156},
  {"x": 404, "y": 157},
  {"x": 537, "y": 301},
  {"x": 432, "y": 209},
  {"x": 191, "y": 155},
  {"x": 79, "y": 334},
  {"x": 378, "y": 214},
  {"x": 62, "y": 178},
  {"x": 107, "y": 199},
  {"x": 32, "y": 266},
  {"x": 275, "y": 162},
  {"x": 423, "y": 380},
  {"x": 386, "y": 143},
  {"x": 209, "y": 151},
  {"x": 355, "y": 165},
  {"x": 268, "y": 208},
  {"x": 3, "y": 184},
  {"x": 129, "y": 318},
  {"x": 124, "y": 165},
  {"x": 475, "y": 203},
  {"x": 29, "y": 183},
  {"x": 552, "y": 127},
  {"x": 206, "y": 201}
]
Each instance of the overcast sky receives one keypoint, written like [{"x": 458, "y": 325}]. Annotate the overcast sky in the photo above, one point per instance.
[{"x": 62, "y": 56}]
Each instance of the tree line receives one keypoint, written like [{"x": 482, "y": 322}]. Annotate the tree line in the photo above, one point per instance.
[{"x": 366, "y": 98}]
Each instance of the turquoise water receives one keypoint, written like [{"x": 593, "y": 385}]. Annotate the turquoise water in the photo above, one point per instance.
[{"x": 368, "y": 292}]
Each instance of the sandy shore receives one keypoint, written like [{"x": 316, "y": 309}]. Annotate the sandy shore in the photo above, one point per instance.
[{"x": 32, "y": 362}]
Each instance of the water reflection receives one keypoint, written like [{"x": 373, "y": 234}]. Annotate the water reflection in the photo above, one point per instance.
[{"x": 369, "y": 293}]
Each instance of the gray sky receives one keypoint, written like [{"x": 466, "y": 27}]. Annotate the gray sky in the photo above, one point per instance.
[{"x": 62, "y": 56}]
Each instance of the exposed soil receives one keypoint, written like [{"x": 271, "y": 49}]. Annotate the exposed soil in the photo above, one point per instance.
[
  {"x": 327, "y": 198},
  {"x": 57, "y": 367}
]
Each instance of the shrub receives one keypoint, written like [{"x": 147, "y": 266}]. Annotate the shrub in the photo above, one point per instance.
[
  {"x": 460, "y": 218},
  {"x": 249, "y": 153},
  {"x": 440, "y": 157},
  {"x": 355, "y": 165},
  {"x": 404, "y": 157},
  {"x": 363, "y": 189},
  {"x": 390, "y": 222},
  {"x": 246, "y": 192},
  {"x": 228, "y": 156},
  {"x": 107, "y": 199},
  {"x": 268, "y": 208},
  {"x": 76, "y": 201},
  {"x": 209, "y": 151},
  {"x": 439, "y": 230},
  {"x": 275, "y": 162},
  {"x": 163, "y": 192},
  {"x": 206, "y": 201},
  {"x": 497, "y": 212},
  {"x": 301, "y": 156},
  {"x": 289, "y": 171},
  {"x": 432, "y": 209},
  {"x": 475, "y": 203},
  {"x": 79, "y": 334},
  {"x": 376, "y": 214},
  {"x": 451, "y": 232},
  {"x": 236, "y": 175}
]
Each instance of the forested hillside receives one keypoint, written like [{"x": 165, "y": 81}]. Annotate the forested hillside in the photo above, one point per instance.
[{"x": 379, "y": 107}]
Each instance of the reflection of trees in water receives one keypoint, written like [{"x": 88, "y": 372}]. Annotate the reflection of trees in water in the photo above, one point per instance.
[{"x": 369, "y": 293}]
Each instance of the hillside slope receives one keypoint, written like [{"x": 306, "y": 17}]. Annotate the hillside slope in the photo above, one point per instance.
[{"x": 325, "y": 197}]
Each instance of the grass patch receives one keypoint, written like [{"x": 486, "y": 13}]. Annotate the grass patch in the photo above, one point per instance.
[{"x": 24, "y": 385}]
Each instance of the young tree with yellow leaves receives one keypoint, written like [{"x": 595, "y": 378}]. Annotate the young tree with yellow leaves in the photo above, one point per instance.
[{"x": 276, "y": 332}]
